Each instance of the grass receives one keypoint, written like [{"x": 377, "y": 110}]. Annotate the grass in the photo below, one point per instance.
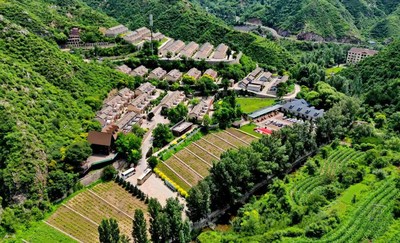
[
  {"x": 250, "y": 129},
  {"x": 250, "y": 105},
  {"x": 344, "y": 202},
  {"x": 333, "y": 70},
  {"x": 41, "y": 232}
]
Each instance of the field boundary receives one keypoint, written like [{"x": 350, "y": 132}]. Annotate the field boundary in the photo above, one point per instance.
[
  {"x": 169, "y": 167},
  {"x": 62, "y": 231},
  {"x": 234, "y": 136},
  {"x": 119, "y": 210},
  {"x": 223, "y": 150},
  {"x": 251, "y": 135},
  {"x": 226, "y": 141},
  {"x": 198, "y": 157},
  {"x": 206, "y": 151},
  {"x": 187, "y": 166},
  {"x": 83, "y": 216}
]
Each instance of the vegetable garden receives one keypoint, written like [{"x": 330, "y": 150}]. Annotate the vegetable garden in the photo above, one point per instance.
[
  {"x": 191, "y": 164},
  {"x": 81, "y": 215}
]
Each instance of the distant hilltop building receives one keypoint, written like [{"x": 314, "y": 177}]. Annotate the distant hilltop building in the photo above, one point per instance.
[
  {"x": 116, "y": 30},
  {"x": 355, "y": 55},
  {"x": 74, "y": 39}
]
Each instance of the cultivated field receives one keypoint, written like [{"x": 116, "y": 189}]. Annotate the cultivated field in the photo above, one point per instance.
[
  {"x": 82, "y": 214},
  {"x": 190, "y": 165}
]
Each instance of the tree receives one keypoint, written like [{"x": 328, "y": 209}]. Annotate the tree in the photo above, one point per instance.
[
  {"x": 162, "y": 135},
  {"x": 128, "y": 145},
  {"x": 206, "y": 85},
  {"x": 199, "y": 201},
  {"x": 109, "y": 231},
  {"x": 173, "y": 211},
  {"x": 178, "y": 113},
  {"x": 186, "y": 79},
  {"x": 206, "y": 122},
  {"x": 59, "y": 183},
  {"x": 76, "y": 153},
  {"x": 108, "y": 173},
  {"x": 139, "y": 232},
  {"x": 153, "y": 161}
]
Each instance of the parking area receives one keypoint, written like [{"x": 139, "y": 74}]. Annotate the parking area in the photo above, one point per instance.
[{"x": 275, "y": 121}]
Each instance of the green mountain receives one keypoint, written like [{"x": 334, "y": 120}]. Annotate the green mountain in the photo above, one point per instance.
[
  {"x": 330, "y": 19},
  {"x": 48, "y": 99},
  {"x": 182, "y": 20}
]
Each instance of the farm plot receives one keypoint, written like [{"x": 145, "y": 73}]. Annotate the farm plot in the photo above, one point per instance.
[
  {"x": 195, "y": 163},
  {"x": 74, "y": 224},
  {"x": 82, "y": 214},
  {"x": 232, "y": 140},
  {"x": 190, "y": 165},
  {"x": 119, "y": 197},
  {"x": 218, "y": 142},
  {"x": 96, "y": 209},
  {"x": 241, "y": 135},
  {"x": 183, "y": 170}
]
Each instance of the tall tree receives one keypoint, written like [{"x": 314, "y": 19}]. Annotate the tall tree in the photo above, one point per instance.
[
  {"x": 139, "y": 232},
  {"x": 162, "y": 135},
  {"x": 109, "y": 231}
]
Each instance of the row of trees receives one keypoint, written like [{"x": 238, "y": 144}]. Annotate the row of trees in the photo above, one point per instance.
[
  {"x": 239, "y": 170},
  {"x": 166, "y": 225}
]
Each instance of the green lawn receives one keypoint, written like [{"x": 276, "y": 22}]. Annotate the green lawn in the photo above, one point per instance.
[
  {"x": 334, "y": 70},
  {"x": 41, "y": 233},
  {"x": 249, "y": 105},
  {"x": 250, "y": 129}
]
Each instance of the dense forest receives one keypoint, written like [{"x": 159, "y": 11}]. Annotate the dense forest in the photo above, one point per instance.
[
  {"x": 48, "y": 99},
  {"x": 331, "y": 19}
]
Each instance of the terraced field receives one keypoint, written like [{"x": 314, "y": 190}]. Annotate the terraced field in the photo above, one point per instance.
[
  {"x": 82, "y": 214},
  {"x": 190, "y": 165}
]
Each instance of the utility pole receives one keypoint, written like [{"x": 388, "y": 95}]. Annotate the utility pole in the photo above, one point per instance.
[{"x": 151, "y": 33}]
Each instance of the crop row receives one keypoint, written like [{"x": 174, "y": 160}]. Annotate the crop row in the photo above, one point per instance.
[
  {"x": 208, "y": 147},
  {"x": 337, "y": 158},
  {"x": 95, "y": 209},
  {"x": 334, "y": 165},
  {"x": 74, "y": 224},
  {"x": 306, "y": 185},
  {"x": 117, "y": 196},
  {"x": 231, "y": 139},
  {"x": 241, "y": 135},
  {"x": 202, "y": 154},
  {"x": 174, "y": 177},
  {"x": 183, "y": 171},
  {"x": 218, "y": 142},
  {"x": 195, "y": 163},
  {"x": 349, "y": 227}
]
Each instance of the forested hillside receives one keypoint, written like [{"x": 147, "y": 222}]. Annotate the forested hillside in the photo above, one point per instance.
[
  {"x": 48, "y": 99},
  {"x": 331, "y": 19},
  {"x": 182, "y": 20}
]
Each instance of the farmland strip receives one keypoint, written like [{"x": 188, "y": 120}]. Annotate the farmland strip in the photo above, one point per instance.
[
  {"x": 205, "y": 140},
  {"x": 205, "y": 150},
  {"x": 119, "y": 210},
  {"x": 83, "y": 216},
  {"x": 187, "y": 166},
  {"x": 198, "y": 157},
  {"x": 225, "y": 140},
  {"x": 236, "y": 137},
  {"x": 183, "y": 179},
  {"x": 62, "y": 231}
]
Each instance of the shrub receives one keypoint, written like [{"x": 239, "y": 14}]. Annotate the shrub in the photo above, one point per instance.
[{"x": 108, "y": 173}]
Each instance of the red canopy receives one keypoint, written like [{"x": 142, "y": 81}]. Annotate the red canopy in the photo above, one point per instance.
[{"x": 263, "y": 130}]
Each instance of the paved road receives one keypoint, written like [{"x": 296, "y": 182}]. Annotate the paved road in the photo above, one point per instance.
[{"x": 273, "y": 31}]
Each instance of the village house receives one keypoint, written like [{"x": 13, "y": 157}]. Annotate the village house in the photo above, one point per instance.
[
  {"x": 157, "y": 73},
  {"x": 173, "y": 76},
  {"x": 146, "y": 88},
  {"x": 265, "y": 77},
  {"x": 164, "y": 48},
  {"x": 174, "y": 48},
  {"x": 74, "y": 39},
  {"x": 158, "y": 36},
  {"x": 300, "y": 108},
  {"x": 143, "y": 32},
  {"x": 212, "y": 73},
  {"x": 220, "y": 51},
  {"x": 190, "y": 49},
  {"x": 126, "y": 94},
  {"x": 101, "y": 142},
  {"x": 181, "y": 128},
  {"x": 172, "y": 99},
  {"x": 200, "y": 110},
  {"x": 132, "y": 37},
  {"x": 140, "y": 71},
  {"x": 355, "y": 55},
  {"x": 123, "y": 68},
  {"x": 204, "y": 52},
  {"x": 194, "y": 73},
  {"x": 116, "y": 30},
  {"x": 139, "y": 104},
  {"x": 128, "y": 120}
]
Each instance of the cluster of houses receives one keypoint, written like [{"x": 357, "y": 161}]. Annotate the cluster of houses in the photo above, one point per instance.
[
  {"x": 355, "y": 55},
  {"x": 133, "y": 37},
  {"x": 297, "y": 107},
  {"x": 178, "y": 49},
  {"x": 256, "y": 80},
  {"x": 160, "y": 74},
  {"x": 125, "y": 108},
  {"x": 201, "y": 109}
]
